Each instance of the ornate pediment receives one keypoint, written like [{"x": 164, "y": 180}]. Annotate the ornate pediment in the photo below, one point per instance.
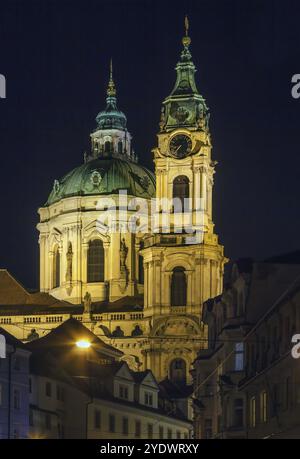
[
  {"x": 176, "y": 326},
  {"x": 96, "y": 229}
]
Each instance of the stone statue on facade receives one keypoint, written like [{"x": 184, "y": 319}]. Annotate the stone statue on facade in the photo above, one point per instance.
[
  {"x": 33, "y": 335},
  {"x": 87, "y": 303},
  {"x": 124, "y": 273},
  {"x": 123, "y": 254},
  {"x": 69, "y": 272}
]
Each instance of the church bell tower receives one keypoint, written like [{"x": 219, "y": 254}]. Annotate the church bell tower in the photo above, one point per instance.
[{"x": 183, "y": 261}]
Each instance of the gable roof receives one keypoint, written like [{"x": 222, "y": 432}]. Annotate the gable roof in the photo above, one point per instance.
[
  {"x": 269, "y": 282},
  {"x": 124, "y": 304},
  {"x": 171, "y": 390},
  {"x": 45, "y": 364},
  {"x": 14, "y": 297},
  {"x": 140, "y": 377},
  {"x": 124, "y": 372},
  {"x": 11, "y": 340},
  {"x": 67, "y": 334},
  {"x": 11, "y": 291}
]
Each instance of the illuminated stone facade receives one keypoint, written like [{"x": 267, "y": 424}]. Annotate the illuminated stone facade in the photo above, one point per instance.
[{"x": 140, "y": 291}]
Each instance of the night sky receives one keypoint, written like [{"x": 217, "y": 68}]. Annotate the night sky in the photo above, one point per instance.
[{"x": 55, "y": 57}]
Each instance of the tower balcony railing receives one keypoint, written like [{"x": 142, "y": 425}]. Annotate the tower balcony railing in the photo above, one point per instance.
[
  {"x": 173, "y": 239},
  {"x": 178, "y": 309}
]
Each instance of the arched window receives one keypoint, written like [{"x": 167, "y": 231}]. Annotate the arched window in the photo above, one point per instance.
[
  {"x": 107, "y": 147},
  {"x": 95, "y": 263},
  {"x": 178, "y": 371},
  {"x": 180, "y": 189},
  {"x": 141, "y": 269},
  {"x": 56, "y": 268},
  {"x": 178, "y": 287},
  {"x": 120, "y": 147}
]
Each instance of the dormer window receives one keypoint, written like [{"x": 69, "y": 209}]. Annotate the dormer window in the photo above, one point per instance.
[
  {"x": 148, "y": 399},
  {"x": 123, "y": 392}
]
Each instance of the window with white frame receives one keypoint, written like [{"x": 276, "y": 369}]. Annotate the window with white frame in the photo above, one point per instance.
[
  {"x": 123, "y": 392},
  {"x": 148, "y": 399},
  {"x": 239, "y": 357}
]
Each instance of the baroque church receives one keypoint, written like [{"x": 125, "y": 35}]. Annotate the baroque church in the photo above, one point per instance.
[{"x": 141, "y": 291}]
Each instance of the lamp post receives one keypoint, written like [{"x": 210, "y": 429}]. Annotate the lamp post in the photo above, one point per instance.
[{"x": 84, "y": 345}]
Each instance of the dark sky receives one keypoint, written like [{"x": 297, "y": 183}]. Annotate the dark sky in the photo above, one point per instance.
[{"x": 55, "y": 57}]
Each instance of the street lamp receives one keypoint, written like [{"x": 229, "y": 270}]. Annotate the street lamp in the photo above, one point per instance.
[{"x": 83, "y": 344}]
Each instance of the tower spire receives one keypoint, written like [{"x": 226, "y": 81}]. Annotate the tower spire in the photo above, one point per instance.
[
  {"x": 186, "y": 25},
  {"x": 111, "y": 90},
  {"x": 184, "y": 107}
]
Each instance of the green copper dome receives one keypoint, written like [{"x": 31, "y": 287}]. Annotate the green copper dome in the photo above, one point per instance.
[{"x": 103, "y": 177}]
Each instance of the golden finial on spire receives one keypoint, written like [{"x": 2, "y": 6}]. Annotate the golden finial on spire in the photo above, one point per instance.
[
  {"x": 111, "y": 69},
  {"x": 186, "y": 39},
  {"x": 111, "y": 90}
]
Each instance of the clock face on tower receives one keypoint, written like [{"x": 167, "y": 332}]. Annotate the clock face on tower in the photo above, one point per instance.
[{"x": 180, "y": 146}]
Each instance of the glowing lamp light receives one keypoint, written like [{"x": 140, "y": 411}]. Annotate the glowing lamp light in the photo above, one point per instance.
[{"x": 83, "y": 344}]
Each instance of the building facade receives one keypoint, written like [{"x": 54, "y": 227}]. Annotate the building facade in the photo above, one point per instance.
[
  {"x": 271, "y": 385},
  {"x": 91, "y": 393},
  {"x": 133, "y": 254},
  {"x": 14, "y": 389},
  {"x": 246, "y": 383}
]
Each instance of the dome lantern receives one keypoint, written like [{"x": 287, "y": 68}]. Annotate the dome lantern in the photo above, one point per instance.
[{"x": 111, "y": 137}]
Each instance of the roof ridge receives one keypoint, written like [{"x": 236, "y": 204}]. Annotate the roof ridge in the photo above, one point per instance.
[{"x": 16, "y": 281}]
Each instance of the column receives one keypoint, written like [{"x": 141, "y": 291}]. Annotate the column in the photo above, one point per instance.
[
  {"x": 42, "y": 263},
  {"x": 85, "y": 247},
  {"x": 203, "y": 187},
  {"x": 146, "y": 293},
  {"x": 189, "y": 290},
  {"x": 106, "y": 261},
  {"x": 50, "y": 270},
  {"x": 197, "y": 190}
]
